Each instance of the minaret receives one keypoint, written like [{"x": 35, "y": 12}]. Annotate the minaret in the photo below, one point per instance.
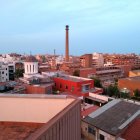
[{"x": 67, "y": 44}]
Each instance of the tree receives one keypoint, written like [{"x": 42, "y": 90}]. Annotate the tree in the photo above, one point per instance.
[
  {"x": 97, "y": 82},
  {"x": 136, "y": 93},
  {"x": 19, "y": 73},
  {"x": 76, "y": 73},
  {"x": 113, "y": 91}
]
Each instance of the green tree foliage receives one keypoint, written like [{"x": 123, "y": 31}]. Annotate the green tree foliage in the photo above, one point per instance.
[
  {"x": 97, "y": 82},
  {"x": 136, "y": 93},
  {"x": 113, "y": 91},
  {"x": 19, "y": 73},
  {"x": 76, "y": 73}
]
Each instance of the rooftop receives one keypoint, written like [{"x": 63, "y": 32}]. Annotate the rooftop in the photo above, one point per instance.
[
  {"x": 17, "y": 131},
  {"x": 31, "y": 59},
  {"x": 136, "y": 78},
  {"x": 31, "y": 108},
  {"x": 114, "y": 116},
  {"x": 72, "y": 78},
  {"x": 133, "y": 131},
  {"x": 33, "y": 113}
]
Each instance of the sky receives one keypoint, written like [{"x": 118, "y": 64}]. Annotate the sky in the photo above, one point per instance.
[{"x": 38, "y": 26}]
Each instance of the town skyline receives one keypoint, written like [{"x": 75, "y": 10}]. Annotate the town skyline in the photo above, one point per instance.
[{"x": 39, "y": 27}]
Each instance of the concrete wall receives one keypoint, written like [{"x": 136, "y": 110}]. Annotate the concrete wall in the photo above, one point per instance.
[
  {"x": 65, "y": 126},
  {"x": 106, "y": 135},
  {"x": 90, "y": 136},
  {"x": 101, "y": 97}
]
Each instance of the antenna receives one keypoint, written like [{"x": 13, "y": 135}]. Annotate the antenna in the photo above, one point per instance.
[
  {"x": 30, "y": 53},
  {"x": 54, "y": 52}
]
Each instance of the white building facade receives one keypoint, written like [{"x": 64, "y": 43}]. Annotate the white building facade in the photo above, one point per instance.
[
  {"x": 30, "y": 67},
  {"x": 98, "y": 59}
]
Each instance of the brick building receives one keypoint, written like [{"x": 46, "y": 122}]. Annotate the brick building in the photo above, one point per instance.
[
  {"x": 110, "y": 121},
  {"x": 39, "y": 89},
  {"x": 131, "y": 83},
  {"x": 86, "y": 60},
  {"x": 85, "y": 72},
  {"x": 76, "y": 85},
  {"x": 134, "y": 73}
]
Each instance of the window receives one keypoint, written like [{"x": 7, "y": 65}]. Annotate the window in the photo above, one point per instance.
[
  {"x": 33, "y": 68},
  {"x": 27, "y": 68},
  {"x": 66, "y": 87},
  {"x": 102, "y": 137},
  {"x": 2, "y": 72},
  {"x": 91, "y": 130},
  {"x": 85, "y": 88}
]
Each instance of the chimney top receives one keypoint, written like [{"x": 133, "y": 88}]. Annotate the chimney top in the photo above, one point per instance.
[{"x": 67, "y": 27}]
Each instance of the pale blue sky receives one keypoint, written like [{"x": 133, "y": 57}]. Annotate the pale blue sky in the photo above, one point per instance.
[{"x": 38, "y": 26}]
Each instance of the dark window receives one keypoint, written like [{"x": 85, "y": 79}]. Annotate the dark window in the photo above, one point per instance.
[
  {"x": 6, "y": 68},
  {"x": 91, "y": 130},
  {"x": 49, "y": 91},
  {"x": 86, "y": 87},
  {"x": 102, "y": 137},
  {"x": 66, "y": 87},
  {"x": 3, "y": 72}
]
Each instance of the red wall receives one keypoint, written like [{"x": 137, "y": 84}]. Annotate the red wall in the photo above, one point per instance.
[
  {"x": 30, "y": 89},
  {"x": 86, "y": 71},
  {"x": 77, "y": 86},
  {"x": 129, "y": 84}
]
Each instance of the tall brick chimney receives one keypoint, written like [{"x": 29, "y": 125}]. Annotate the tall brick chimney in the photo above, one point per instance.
[{"x": 67, "y": 44}]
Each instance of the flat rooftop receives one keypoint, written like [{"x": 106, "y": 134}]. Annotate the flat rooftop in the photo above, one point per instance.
[
  {"x": 73, "y": 78},
  {"x": 23, "y": 114},
  {"x": 31, "y": 108}
]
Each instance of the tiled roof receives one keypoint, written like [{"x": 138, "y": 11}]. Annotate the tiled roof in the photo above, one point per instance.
[
  {"x": 111, "y": 116},
  {"x": 133, "y": 131},
  {"x": 31, "y": 59}
]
